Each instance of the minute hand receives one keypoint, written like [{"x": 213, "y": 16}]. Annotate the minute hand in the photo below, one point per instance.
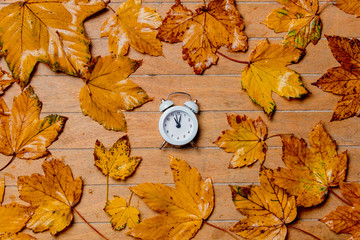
[{"x": 177, "y": 122}]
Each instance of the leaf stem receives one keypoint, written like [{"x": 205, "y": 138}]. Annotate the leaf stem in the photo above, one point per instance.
[
  {"x": 132, "y": 193},
  {"x": 324, "y": 6},
  {"x": 232, "y": 59},
  {"x": 107, "y": 188},
  {"x": 108, "y": 6},
  {"x": 222, "y": 229},
  {"x": 304, "y": 232},
  {"x": 278, "y": 135},
  {"x": 340, "y": 197},
  {"x": 11, "y": 160},
  {"x": 90, "y": 224}
]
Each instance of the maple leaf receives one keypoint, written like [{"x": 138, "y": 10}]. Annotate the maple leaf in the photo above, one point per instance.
[
  {"x": 349, "y": 6},
  {"x": 55, "y": 195},
  {"x": 310, "y": 171},
  {"x": 246, "y": 139},
  {"x": 203, "y": 32},
  {"x": 267, "y": 73},
  {"x": 5, "y": 81},
  {"x": 268, "y": 208},
  {"x": 300, "y": 19},
  {"x": 344, "y": 80},
  {"x": 108, "y": 91},
  {"x": 182, "y": 209},
  {"x": 13, "y": 216},
  {"x": 22, "y": 133},
  {"x": 16, "y": 236},
  {"x": 48, "y": 31},
  {"x": 346, "y": 219},
  {"x": 116, "y": 162},
  {"x": 121, "y": 214},
  {"x": 133, "y": 26}
]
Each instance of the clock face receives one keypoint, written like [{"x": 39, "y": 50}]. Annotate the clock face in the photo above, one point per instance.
[{"x": 178, "y": 125}]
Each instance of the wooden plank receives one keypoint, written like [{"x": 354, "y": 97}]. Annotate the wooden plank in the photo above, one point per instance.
[
  {"x": 82, "y": 132},
  {"x": 209, "y": 162},
  {"x": 211, "y": 98}
]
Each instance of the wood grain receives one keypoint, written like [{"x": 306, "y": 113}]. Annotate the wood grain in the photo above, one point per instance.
[{"x": 218, "y": 92}]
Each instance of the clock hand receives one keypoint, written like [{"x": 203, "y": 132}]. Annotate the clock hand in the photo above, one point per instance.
[
  {"x": 177, "y": 122},
  {"x": 179, "y": 119}
]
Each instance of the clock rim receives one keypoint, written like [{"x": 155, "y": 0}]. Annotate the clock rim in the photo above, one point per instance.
[{"x": 168, "y": 139}]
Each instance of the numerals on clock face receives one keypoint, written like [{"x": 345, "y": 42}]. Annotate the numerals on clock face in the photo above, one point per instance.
[{"x": 178, "y": 125}]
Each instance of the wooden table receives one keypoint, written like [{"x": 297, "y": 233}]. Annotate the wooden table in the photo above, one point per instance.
[{"x": 218, "y": 92}]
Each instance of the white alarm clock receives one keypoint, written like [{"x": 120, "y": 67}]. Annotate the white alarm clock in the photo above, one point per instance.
[{"x": 178, "y": 125}]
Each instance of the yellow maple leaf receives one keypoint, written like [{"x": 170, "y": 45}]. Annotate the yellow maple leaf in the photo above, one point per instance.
[
  {"x": 182, "y": 209},
  {"x": 343, "y": 80},
  {"x": 310, "y": 171},
  {"x": 349, "y": 6},
  {"x": 55, "y": 195},
  {"x": 116, "y": 161},
  {"x": 203, "y": 32},
  {"x": 121, "y": 214},
  {"x": 16, "y": 236},
  {"x": 346, "y": 219},
  {"x": 267, "y": 73},
  {"x": 107, "y": 91},
  {"x": 13, "y": 216},
  {"x": 133, "y": 26},
  {"x": 246, "y": 139},
  {"x": 22, "y": 133},
  {"x": 48, "y": 31},
  {"x": 300, "y": 19},
  {"x": 5, "y": 81},
  {"x": 267, "y": 208}
]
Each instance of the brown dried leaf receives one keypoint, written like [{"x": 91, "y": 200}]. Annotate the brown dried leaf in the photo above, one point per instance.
[
  {"x": 344, "y": 80},
  {"x": 55, "y": 195},
  {"x": 349, "y": 6},
  {"x": 346, "y": 219},
  {"x": 267, "y": 208},
  {"x": 310, "y": 171},
  {"x": 203, "y": 32}
]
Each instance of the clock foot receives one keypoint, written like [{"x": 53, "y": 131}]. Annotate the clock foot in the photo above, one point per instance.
[
  {"x": 162, "y": 145},
  {"x": 193, "y": 144}
]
